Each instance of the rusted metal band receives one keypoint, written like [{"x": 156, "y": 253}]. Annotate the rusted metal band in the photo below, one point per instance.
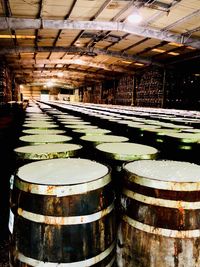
[
  {"x": 61, "y": 191},
  {"x": 165, "y": 185},
  {"x": 53, "y": 220},
  {"x": 47, "y": 155},
  {"x": 128, "y": 157},
  {"x": 88, "y": 262},
  {"x": 161, "y": 231},
  {"x": 174, "y": 204}
]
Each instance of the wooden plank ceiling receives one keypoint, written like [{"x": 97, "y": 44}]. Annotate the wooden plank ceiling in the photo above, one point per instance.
[{"x": 77, "y": 42}]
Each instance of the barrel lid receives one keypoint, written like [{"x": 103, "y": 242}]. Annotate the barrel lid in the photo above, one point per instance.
[
  {"x": 43, "y": 131},
  {"x": 104, "y": 138},
  {"x": 127, "y": 151},
  {"x": 47, "y": 148},
  {"x": 40, "y": 125},
  {"x": 93, "y": 131},
  {"x": 48, "y": 138},
  {"x": 165, "y": 170},
  {"x": 80, "y": 126},
  {"x": 62, "y": 171},
  {"x": 75, "y": 122},
  {"x": 185, "y": 137}
]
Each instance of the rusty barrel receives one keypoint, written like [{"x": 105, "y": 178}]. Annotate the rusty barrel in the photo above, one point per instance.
[
  {"x": 65, "y": 214},
  {"x": 160, "y": 223},
  {"x": 39, "y": 139},
  {"x": 116, "y": 154},
  {"x": 89, "y": 143},
  {"x": 27, "y": 154},
  {"x": 34, "y": 131}
]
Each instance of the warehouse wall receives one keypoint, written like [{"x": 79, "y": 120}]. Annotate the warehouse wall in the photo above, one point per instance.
[
  {"x": 9, "y": 89},
  {"x": 152, "y": 87}
]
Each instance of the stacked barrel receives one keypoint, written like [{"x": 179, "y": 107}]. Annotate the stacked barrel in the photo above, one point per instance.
[{"x": 100, "y": 186}]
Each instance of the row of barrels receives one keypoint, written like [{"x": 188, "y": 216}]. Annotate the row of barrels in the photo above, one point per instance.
[{"x": 85, "y": 196}]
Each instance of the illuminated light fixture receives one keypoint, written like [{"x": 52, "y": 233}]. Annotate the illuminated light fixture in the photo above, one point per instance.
[
  {"x": 7, "y": 36},
  {"x": 135, "y": 17},
  {"x": 60, "y": 74},
  {"x": 174, "y": 53},
  {"x": 26, "y": 53},
  {"x": 49, "y": 84},
  {"x": 197, "y": 74},
  {"x": 158, "y": 50},
  {"x": 191, "y": 48},
  {"x": 138, "y": 64},
  {"x": 176, "y": 44},
  {"x": 126, "y": 61}
]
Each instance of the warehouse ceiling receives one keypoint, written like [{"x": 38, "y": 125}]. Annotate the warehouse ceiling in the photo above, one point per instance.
[{"x": 76, "y": 42}]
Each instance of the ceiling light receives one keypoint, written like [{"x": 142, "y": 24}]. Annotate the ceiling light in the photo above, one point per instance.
[
  {"x": 176, "y": 44},
  {"x": 7, "y": 36},
  {"x": 191, "y": 48},
  {"x": 174, "y": 53},
  {"x": 135, "y": 17},
  {"x": 49, "y": 84},
  {"x": 158, "y": 50},
  {"x": 59, "y": 65},
  {"x": 126, "y": 61},
  {"x": 60, "y": 74},
  {"x": 138, "y": 64}
]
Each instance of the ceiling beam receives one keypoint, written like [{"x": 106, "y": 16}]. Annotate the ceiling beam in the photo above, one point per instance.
[
  {"x": 105, "y": 4},
  {"x": 39, "y": 15},
  {"x": 7, "y": 11},
  {"x": 68, "y": 80},
  {"x": 60, "y": 31},
  {"x": 146, "y": 23},
  {"x": 73, "y": 78},
  {"x": 188, "y": 17},
  {"x": 107, "y": 67},
  {"x": 81, "y": 50},
  {"x": 20, "y": 23},
  {"x": 56, "y": 70},
  {"x": 101, "y": 35}
]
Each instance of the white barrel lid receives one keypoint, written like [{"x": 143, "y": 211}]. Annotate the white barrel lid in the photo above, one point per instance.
[
  {"x": 43, "y": 131},
  {"x": 34, "y": 126},
  {"x": 165, "y": 170},
  {"x": 39, "y": 124},
  {"x": 67, "y": 116},
  {"x": 92, "y": 131},
  {"x": 126, "y": 148},
  {"x": 48, "y": 138},
  {"x": 188, "y": 136},
  {"x": 70, "y": 120},
  {"x": 104, "y": 138},
  {"x": 75, "y": 122},
  {"x": 80, "y": 126},
  {"x": 47, "y": 148},
  {"x": 62, "y": 171}
]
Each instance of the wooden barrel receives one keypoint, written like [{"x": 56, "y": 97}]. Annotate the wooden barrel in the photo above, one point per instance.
[
  {"x": 26, "y": 154},
  {"x": 64, "y": 214},
  {"x": 40, "y": 125},
  {"x": 104, "y": 138},
  {"x": 44, "y": 139},
  {"x": 93, "y": 131},
  {"x": 160, "y": 223},
  {"x": 116, "y": 154},
  {"x": 184, "y": 146},
  {"x": 43, "y": 131}
]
